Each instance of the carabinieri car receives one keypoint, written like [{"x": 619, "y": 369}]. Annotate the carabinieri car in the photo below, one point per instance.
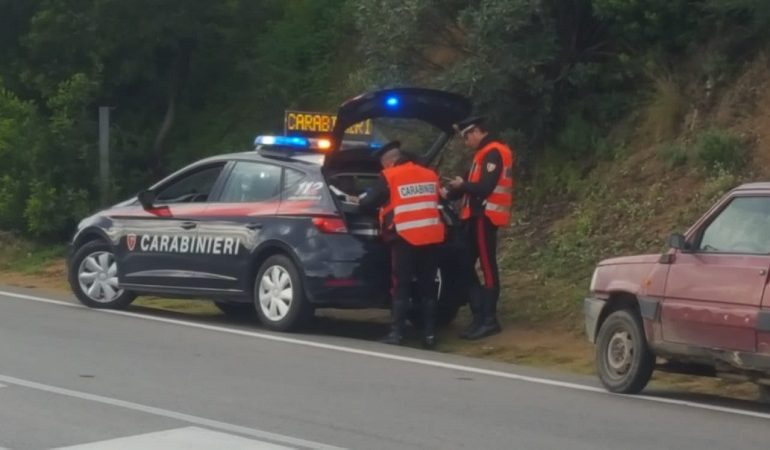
[{"x": 267, "y": 230}]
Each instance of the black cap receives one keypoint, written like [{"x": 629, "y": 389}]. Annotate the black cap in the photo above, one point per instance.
[
  {"x": 387, "y": 147},
  {"x": 466, "y": 125}
]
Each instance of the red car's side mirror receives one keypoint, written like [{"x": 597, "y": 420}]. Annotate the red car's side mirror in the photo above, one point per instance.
[{"x": 679, "y": 242}]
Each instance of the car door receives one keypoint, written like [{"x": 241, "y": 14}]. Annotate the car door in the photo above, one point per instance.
[
  {"x": 235, "y": 220},
  {"x": 714, "y": 291},
  {"x": 159, "y": 246}
]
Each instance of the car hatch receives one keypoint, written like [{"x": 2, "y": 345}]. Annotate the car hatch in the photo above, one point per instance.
[{"x": 439, "y": 110}]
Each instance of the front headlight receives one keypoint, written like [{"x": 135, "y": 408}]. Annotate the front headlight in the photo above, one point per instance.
[{"x": 593, "y": 279}]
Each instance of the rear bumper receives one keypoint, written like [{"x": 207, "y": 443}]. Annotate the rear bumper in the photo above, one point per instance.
[
  {"x": 348, "y": 285},
  {"x": 592, "y": 309}
]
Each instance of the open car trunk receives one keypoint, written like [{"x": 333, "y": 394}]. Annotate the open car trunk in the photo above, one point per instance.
[
  {"x": 421, "y": 119},
  {"x": 348, "y": 176}
]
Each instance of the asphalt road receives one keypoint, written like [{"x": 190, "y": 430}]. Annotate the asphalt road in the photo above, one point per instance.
[{"x": 84, "y": 379}]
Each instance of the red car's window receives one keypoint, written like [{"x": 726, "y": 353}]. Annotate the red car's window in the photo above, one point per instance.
[{"x": 742, "y": 227}]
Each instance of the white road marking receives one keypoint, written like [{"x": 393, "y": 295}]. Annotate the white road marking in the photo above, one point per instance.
[
  {"x": 188, "y": 438},
  {"x": 406, "y": 359},
  {"x": 201, "y": 421}
]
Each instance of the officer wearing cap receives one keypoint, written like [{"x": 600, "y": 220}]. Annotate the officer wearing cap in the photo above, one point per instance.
[
  {"x": 407, "y": 197},
  {"x": 487, "y": 197}
]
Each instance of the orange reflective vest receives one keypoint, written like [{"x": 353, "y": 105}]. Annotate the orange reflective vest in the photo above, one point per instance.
[
  {"x": 413, "y": 207},
  {"x": 498, "y": 205}
]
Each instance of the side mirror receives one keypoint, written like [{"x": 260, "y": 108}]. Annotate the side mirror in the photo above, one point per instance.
[
  {"x": 678, "y": 241},
  {"x": 146, "y": 199}
]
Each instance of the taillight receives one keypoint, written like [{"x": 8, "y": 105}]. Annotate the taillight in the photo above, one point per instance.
[{"x": 330, "y": 225}]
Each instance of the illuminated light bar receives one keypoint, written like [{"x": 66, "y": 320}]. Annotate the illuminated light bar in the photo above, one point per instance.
[
  {"x": 392, "y": 102},
  {"x": 324, "y": 144},
  {"x": 283, "y": 141}
]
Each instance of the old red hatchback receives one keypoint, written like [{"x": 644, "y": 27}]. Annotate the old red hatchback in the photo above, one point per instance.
[{"x": 701, "y": 308}]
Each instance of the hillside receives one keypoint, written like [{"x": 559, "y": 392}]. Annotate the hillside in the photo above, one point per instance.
[{"x": 568, "y": 221}]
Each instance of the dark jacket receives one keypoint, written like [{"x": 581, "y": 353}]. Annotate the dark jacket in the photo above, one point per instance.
[{"x": 481, "y": 189}]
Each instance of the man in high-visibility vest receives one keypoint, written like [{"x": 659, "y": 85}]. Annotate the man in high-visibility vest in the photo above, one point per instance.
[
  {"x": 487, "y": 196},
  {"x": 407, "y": 196}
]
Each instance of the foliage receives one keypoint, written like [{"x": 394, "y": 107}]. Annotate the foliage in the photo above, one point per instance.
[
  {"x": 719, "y": 150},
  {"x": 185, "y": 79},
  {"x": 673, "y": 154},
  {"x": 195, "y": 77},
  {"x": 665, "y": 109}
]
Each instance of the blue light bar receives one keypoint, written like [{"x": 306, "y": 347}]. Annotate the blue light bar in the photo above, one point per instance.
[
  {"x": 392, "y": 102},
  {"x": 283, "y": 141}
]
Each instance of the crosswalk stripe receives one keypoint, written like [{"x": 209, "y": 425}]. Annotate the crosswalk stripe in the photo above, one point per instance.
[
  {"x": 187, "y": 438},
  {"x": 201, "y": 421}
]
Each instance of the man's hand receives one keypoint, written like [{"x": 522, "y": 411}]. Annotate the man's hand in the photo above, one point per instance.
[{"x": 456, "y": 183}]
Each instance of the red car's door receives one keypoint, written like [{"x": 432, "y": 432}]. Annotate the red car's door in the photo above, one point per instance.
[{"x": 714, "y": 291}]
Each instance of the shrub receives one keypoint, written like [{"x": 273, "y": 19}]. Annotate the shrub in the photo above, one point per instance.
[
  {"x": 666, "y": 108},
  {"x": 719, "y": 150},
  {"x": 52, "y": 213},
  {"x": 674, "y": 155}
]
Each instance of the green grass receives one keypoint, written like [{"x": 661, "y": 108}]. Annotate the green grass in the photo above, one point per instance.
[{"x": 24, "y": 256}]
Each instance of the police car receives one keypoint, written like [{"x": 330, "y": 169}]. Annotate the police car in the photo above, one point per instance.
[{"x": 272, "y": 230}]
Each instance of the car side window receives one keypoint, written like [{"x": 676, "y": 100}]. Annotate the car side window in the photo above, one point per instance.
[
  {"x": 742, "y": 227},
  {"x": 252, "y": 182},
  {"x": 290, "y": 178},
  {"x": 194, "y": 187}
]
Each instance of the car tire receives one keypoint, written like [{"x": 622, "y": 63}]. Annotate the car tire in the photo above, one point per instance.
[
  {"x": 624, "y": 362},
  {"x": 237, "y": 310},
  {"x": 93, "y": 277},
  {"x": 279, "y": 297},
  {"x": 764, "y": 394}
]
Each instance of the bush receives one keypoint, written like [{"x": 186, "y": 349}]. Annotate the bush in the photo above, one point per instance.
[
  {"x": 52, "y": 213},
  {"x": 665, "y": 109},
  {"x": 674, "y": 155},
  {"x": 579, "y": 139},
  {"x": 719, "y": 150}
]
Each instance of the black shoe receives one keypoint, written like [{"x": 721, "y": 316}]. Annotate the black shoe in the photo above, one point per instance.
[
  {"x": 429, "y": 342},
  {"x": 475, "y": 325},
  {"x": 485, "y": 330},
  {"x": 392, "y": 339},
  {"x": 397, "y": 323},
  {"x": 476, "y": 306}
]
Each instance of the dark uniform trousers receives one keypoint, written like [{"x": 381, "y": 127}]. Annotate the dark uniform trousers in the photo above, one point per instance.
[
  {"x": 407, "y": 263},
  {"x": 484, "y": 290}
]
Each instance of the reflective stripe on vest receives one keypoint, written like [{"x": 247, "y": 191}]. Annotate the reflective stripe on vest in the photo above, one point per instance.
[
  {"x": 416, "y": 224},
  {"x": 498, "y": 204},
  {"x": 413, "y": 207}
]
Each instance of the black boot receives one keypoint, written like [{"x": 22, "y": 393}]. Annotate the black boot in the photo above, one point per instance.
[
  {"x": 397, "y": 324},
  {"x": 429, "y": 318},
  {"x": 474, "y": 301},
  {"x": 489, "y": 326}
]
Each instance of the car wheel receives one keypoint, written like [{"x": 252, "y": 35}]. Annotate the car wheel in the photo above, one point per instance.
[
  {"x": 279, "y": 297},
  {"x": 447, "y": 306},
  {"x": 93, "y": 277},
  {"x": 624, "y": 362},
  {"x": 234, "y": 309},
  {"x": 764, "y": 393}
]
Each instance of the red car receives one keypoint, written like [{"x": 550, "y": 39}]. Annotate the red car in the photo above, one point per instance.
[{"x": 701, "y": 308}]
